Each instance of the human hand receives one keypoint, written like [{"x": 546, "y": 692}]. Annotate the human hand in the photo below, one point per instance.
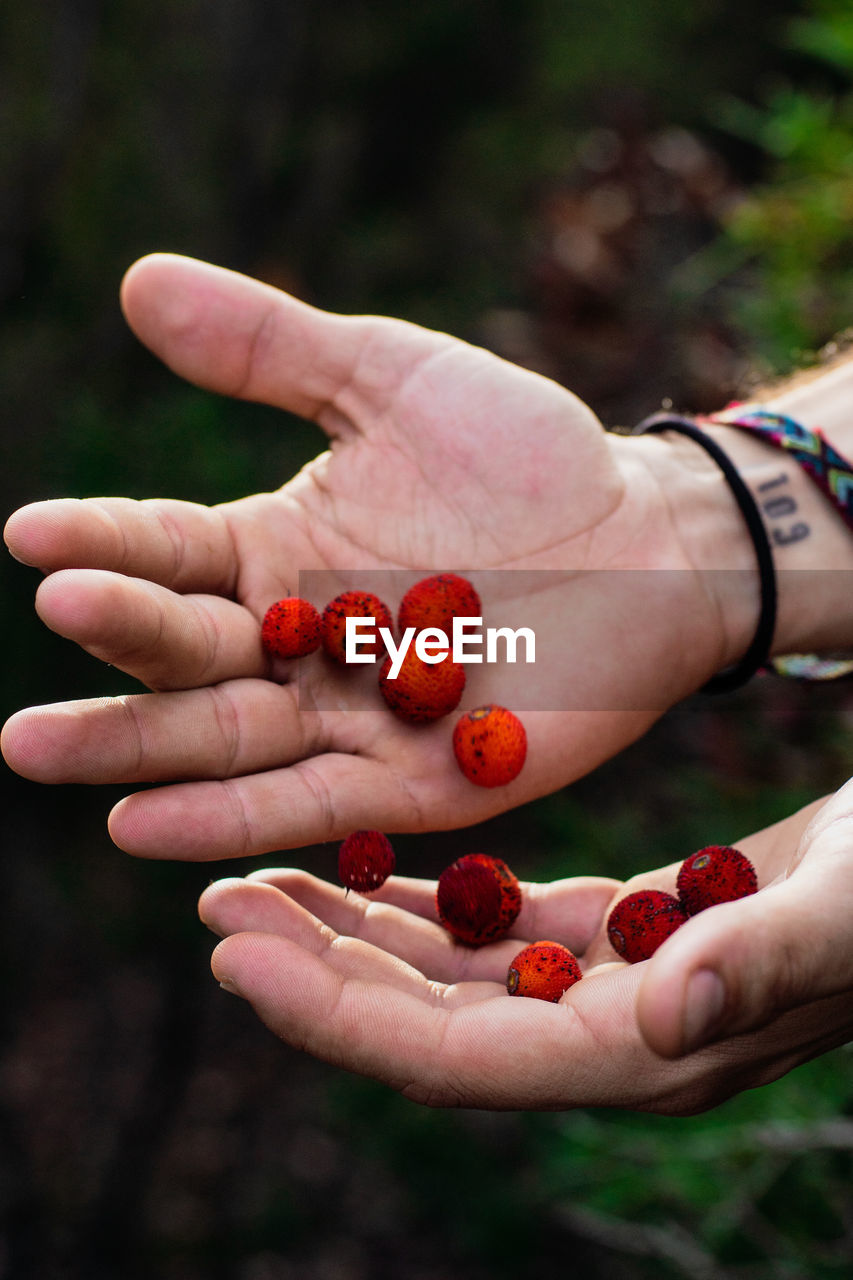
[
  {"x": 377, "y": 986},
  {"x": 442, "y": 456}
]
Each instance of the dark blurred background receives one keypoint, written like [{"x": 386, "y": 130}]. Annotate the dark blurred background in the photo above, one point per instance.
[{"x": 644, "y": 202}]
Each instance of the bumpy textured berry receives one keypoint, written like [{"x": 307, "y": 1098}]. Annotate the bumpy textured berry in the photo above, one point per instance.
[
  {"x": 422, "y": 691},
  {"x": 291, "y": 628},
  {"x": 352, "y": 604},
  {"x": 478, "y": 899},
  {"x": 715, "y": 874},
  {"x": 490, "y": 745},
  {"x": 436, "y": 601},
  {"x": 641, "y": 921},
  {"x": 365, "y": 860},
  {"x": 543, "y": 971}
]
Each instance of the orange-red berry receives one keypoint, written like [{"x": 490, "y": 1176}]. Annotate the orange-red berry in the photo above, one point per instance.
[
  {"x": 715, "y": 874},
  {"x": 365, "y": 860},
  {"x": 422, "y": 691},
  {"x": 436, "y": 601},
  {"x": 641, "y": 921},
  {"x": 353, "y": 604},
  {"x": 478, "y": 899},
  {"x": 490, "y": 745},
  {"x": 543, "y": 971},
  {"x": 291, "y": 628}
]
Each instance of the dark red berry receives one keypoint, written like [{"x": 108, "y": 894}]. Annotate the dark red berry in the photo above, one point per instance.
[
  {"x": 715, "y": 874},
  {"x": 422, "y": 691},
  {"x": 490, "y": 745},
  {"x": 436, "y": 601},
  {"x": 543, "y": 971},
  {"x": 478, "y": 899},
  {"x": 365, "y": 860},
  {"x": 291, "y": 628},
  {"x": 641, "y": 921},
  {"x": 353, "y": 604}
]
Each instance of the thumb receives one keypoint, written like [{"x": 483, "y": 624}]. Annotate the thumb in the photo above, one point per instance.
[
  {"x": 239, "y": 337},
  {"x": 738, "y": 966}
]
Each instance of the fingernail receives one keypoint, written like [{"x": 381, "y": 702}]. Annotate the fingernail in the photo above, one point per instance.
[
  {"x": 227, "y": 985},
  {"x": 704, "y": 1000}
]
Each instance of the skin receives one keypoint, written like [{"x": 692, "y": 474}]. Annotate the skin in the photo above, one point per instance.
[
  {"x": 436, "y": 436},
  {"x": 377, "y": 986},
  {"x": 173, "y": 593}
]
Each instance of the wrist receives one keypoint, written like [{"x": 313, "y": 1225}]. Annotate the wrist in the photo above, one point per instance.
[
  {"x": 705, "y": 536},
  {"x": 721, "y": 532},
  {"x": 811, "y": 547},
  {"x": 738, "y": 502},
  {"x": 812, "y": 540}
]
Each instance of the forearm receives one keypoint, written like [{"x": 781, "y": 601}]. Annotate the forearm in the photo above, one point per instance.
[{"x": 812, "y": 546}]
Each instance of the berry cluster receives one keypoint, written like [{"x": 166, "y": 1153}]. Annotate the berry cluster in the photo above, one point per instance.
[
  {"x": 641, "y": 921},
  {"x": 478, "y": 900},
  {"x": 489, "y": 743}
]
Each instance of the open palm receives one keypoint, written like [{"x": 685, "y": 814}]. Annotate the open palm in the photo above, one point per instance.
[
  {"x": 379, "y": 987},
  {"x": 442, "y": 457}
]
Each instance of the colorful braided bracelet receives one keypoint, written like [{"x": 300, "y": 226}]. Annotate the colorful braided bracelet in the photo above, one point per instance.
[
  {"x": 833, "y": 475},
  {"x": 830, "y": 472}
]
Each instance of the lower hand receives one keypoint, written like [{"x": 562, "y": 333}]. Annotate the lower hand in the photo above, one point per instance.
[{"x": 377, "y": 986}]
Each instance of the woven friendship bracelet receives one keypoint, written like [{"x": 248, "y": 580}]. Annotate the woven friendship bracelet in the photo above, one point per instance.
[
  {"x": 757, "y": 655},
  {"x": 830, "y": 472}
]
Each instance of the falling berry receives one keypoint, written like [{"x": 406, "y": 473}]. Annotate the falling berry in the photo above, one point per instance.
[
  {"x": 543, "y": 971},
  {"x": 365, "y": 860},
  {"x": 353, "y": 604},
  {"x": 422, "y": 691},
  {"x": 641, "y": 921},
  {"x": 490, "y": 745},
  {"x": 478, "y": 899},
  {"x": 436, "y": 601},
  {"x": 291, "y": 628},
  {"x": 715, "y": 874}
]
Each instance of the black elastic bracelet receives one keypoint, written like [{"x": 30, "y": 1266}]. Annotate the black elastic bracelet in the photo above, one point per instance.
[{"x": 758, "y": 653}]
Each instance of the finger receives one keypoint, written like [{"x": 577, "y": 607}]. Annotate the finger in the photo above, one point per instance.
[
  {"x": 237, "y": 906},
  {"x": 738, "y": 966},
  {"x": 242, "y": 338},
  {"x": 254, "y": 906},
  {"x": 166, "y": 641},
  {"x": 320, "y": 798},
  {"x": 179, "y": 544},
  {"x": 567, "y": 911},
  {"x": 220, "y": 731},
  {"x": 496, "y": 1052}
]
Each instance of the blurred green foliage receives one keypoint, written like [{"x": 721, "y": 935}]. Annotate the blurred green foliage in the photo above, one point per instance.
[{"x": 793, "y": 228}]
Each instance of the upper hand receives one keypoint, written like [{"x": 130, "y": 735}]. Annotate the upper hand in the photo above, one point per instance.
[{"x": 442, "y": 457}]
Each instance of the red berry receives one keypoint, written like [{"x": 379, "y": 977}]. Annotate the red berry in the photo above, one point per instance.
[
  {"x": 490, "y": 745},
  {"x": 422, "y": 691},
  {"x": 478, "y": 899},
  {"x": 436, "y": 601},
  {"x": 291, "y": 628},
  {"x": 641, "y": 921},
  {"x": 365, "y": 860},
  {"x": 352, "y": 604},
  {"x": 715, "y": 874},
  {"x": 543, "y": 971}
]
